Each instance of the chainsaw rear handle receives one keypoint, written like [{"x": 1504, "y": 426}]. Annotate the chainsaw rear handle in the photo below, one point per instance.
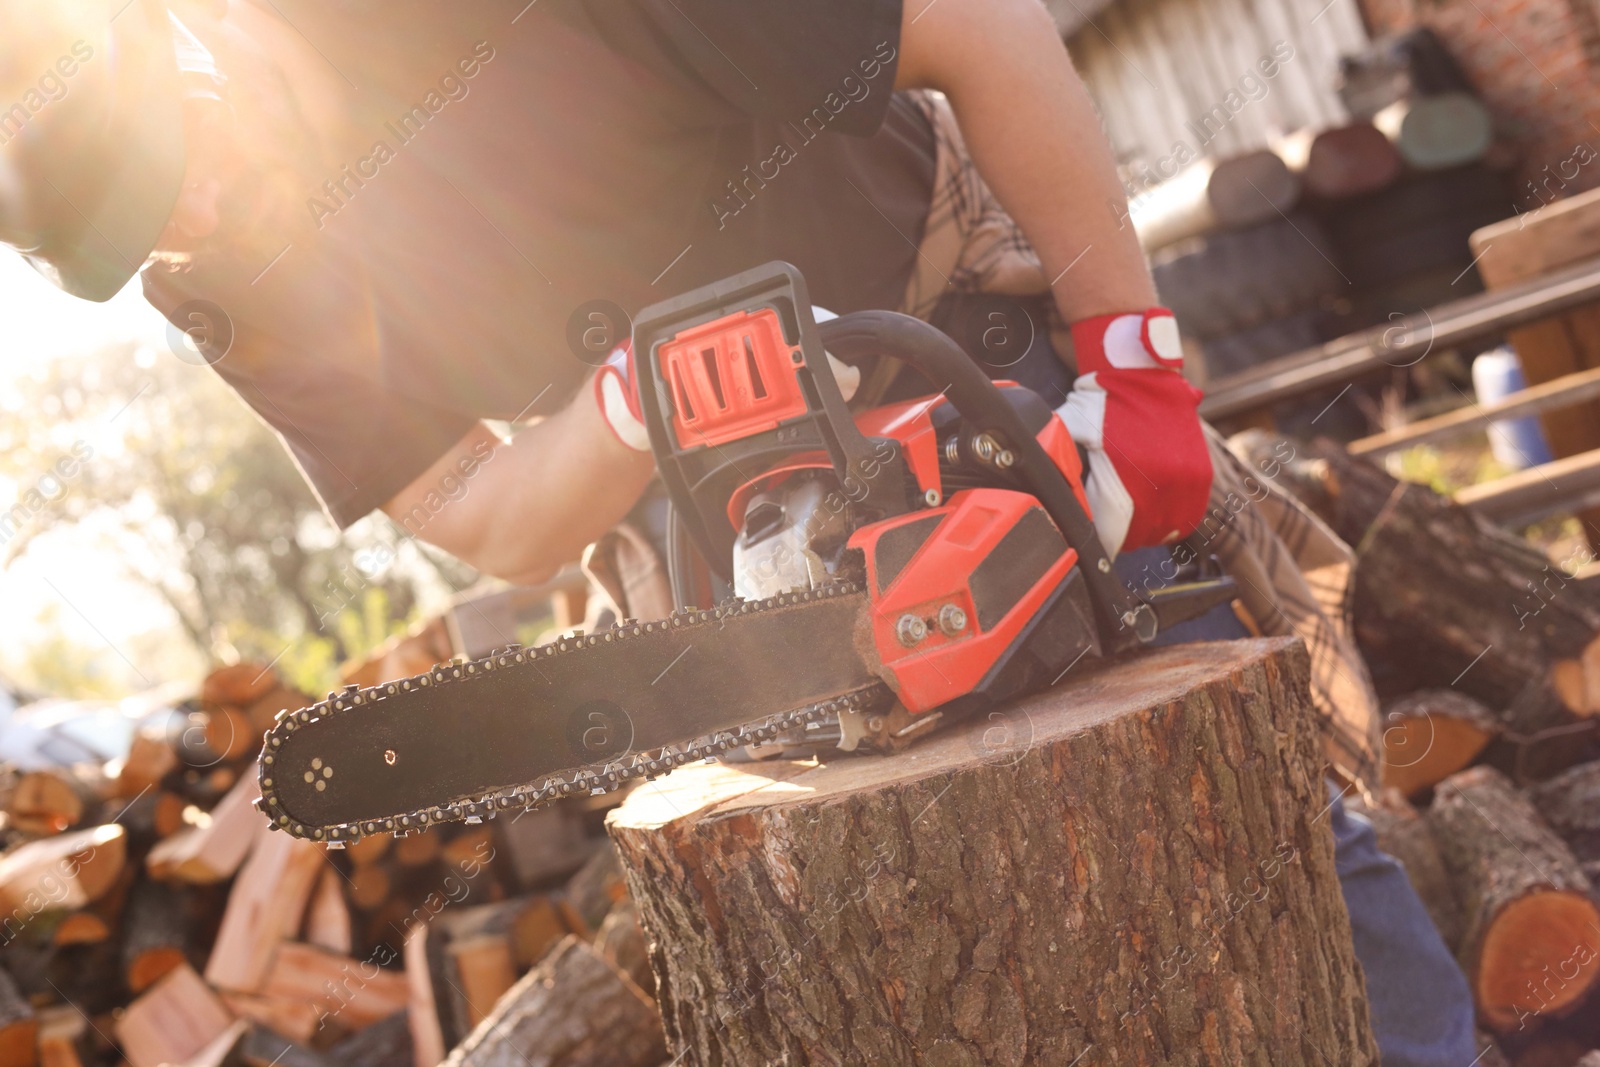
[{"x": 1124, "y": 620}]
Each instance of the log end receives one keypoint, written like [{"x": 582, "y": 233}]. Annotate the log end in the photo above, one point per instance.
[{"x": 1515, "y": 978}]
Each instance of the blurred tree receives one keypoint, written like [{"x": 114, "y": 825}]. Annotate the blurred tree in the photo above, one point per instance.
[{"x": 165, "y": 465}]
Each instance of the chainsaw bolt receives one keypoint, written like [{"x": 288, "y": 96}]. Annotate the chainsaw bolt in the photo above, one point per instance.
[
  {"x": 952, "y": 620},
  {"x": 1105, "y": 565},
  {"x": 932, "y": 498},
  {"x": 910, "y": 630}
]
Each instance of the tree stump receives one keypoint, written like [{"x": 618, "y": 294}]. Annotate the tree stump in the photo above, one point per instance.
[{"x": 1129, "y": 868}]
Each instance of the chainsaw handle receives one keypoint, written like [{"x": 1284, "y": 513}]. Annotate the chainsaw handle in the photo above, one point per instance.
[{"x": 1124, "y": 620}]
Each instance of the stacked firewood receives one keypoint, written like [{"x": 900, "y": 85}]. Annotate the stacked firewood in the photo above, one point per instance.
[
  {"x": 149, "y": 917},
  {"x": 1487, "y": 653}
]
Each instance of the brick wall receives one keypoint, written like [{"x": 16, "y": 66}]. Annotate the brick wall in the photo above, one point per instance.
[{"x": 1537, "y": 65}]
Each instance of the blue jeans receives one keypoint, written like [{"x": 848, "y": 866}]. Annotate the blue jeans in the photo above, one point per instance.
[{"x": 1421, "y": 1007}]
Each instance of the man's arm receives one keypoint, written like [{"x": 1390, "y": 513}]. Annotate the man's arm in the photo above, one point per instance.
[
  {"x": 1034, "y": 135},
  {"x": 535, "y": 502}
]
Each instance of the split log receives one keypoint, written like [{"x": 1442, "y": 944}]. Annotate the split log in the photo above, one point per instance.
[
  {"x": 160, "y": 934},
  {"x": 69, "y": 871},
  {"x": 246, "y": 1045},
  {"x": 1531, "y": 945},
  {"x": 1570, "y": 803},
  {"x": 422, "y": 1007},
  {"x": 266, "y": 904},
  {"x": 354, "y": 993},
  {"x": 1404, "y": 833},
  {"x": 1341, "y": 162},
  {"x": 154, "y": 816},
  {"x": 228, "y": 733},
  {"x": 1443, "y": 598},
  {"x": 1430, "y": 735},
  {"x": 177, "y": 1018},
  {"x": 19, "y": 1027},
  {"x": 368, "y": 886},
  {"x": 483, "y": 972},
  {"x": 327, "y": 916},
  {"x": 573, "y": 1010},
  {"x": 479, "y": 951},
  {"x": 212, "y": 849},
  {"x": 1085, "y": 870},
  {"x": 417, "y": 850},
  {"x": 367, "y": 850},
  {"x": 294, "y": 1018}
]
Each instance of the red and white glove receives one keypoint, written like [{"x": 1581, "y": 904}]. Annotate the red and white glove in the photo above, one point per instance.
[
  {"x": 616, "y": 392},
  {"x": 1149, "y": 470}
]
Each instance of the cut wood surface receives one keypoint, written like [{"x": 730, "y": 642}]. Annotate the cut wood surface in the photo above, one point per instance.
[
  {"x": 51, "y": 799},
  {"x": 573, "y": 1010},
  {"x": 266, "y": 905},
  {"x": 484, "y": 970},
  {"x": 297, "y": 1019},
  {"x": 1020, "y": 889},
  {"x": 1570, "y": 803},
  {"x": 67, "y": 871},
  {"x": 212, "y": 849},
  {"x": 427, "y": 1040},
  {"x": 177, "y": 1018},
  {"x": 327, "y": 916},
  {"x": 1432, "y": 734},
  {"x": 1531, "y": 940},
  {"x": 354, "y": 993}
]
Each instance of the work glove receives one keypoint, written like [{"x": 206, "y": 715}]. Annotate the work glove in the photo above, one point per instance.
[
  {"x": 1134, "y": 415},
  {"x": 616, "y": 389}
]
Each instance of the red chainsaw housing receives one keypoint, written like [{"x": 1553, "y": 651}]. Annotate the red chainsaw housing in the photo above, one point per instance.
[
  {"x": 731, "y": 378},
  {"x": 991, "y": 553}
]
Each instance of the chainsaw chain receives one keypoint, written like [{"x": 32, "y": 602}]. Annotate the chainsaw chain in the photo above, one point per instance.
[{"x": 585, "y": 781}]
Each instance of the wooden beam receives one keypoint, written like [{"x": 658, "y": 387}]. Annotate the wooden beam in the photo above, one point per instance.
[
  {"x": 1404, "y": 342},
  {"x": 1568, "y": 389},
  {"x": 1569, "y": 484}
]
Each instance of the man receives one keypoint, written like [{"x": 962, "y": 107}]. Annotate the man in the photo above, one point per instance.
[{"x": 388, "y": 225}]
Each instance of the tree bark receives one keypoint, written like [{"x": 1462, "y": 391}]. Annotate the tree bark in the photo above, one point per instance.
[
  {"x": 1129, "y": 866},
  {"x": 1570, "y": 803},
  {"x": 1443, "y": 598},
  {"x": 1531, "y": 942},
  {"x": 573, "y": 1010}
]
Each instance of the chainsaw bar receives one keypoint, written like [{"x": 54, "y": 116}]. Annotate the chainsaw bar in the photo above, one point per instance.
[{"x": 523, "y": 727}]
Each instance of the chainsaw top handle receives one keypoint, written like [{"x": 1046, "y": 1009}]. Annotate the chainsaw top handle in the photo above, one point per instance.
[
  {"x": 696, "y": 351},
  {"x": 1124, "y": 619}
]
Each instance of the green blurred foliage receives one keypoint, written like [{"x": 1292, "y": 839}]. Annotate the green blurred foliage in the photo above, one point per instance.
[{"x": 202, "y": 505}]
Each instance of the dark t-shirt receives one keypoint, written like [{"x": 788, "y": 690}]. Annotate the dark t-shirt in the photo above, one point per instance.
[{"x": 522, "y": 162}]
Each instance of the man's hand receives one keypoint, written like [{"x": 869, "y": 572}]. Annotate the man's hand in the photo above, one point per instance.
[
  {"x": 1033, "y": 134},
  {"x": 1130, "y": 408},
  {"x": 531, "y": 503}
]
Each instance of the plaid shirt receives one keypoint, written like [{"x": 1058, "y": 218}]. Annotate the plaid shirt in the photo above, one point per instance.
[{"x": 1295, "y": 576}]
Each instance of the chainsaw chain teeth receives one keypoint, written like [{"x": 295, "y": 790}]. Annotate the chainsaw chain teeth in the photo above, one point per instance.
[{"x": 586, "y": 781}]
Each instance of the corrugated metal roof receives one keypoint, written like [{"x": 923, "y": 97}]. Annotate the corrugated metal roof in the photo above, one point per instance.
[{"x": 1195, "y": 73}]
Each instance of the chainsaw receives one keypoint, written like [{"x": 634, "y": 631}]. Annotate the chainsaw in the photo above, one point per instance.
[{"x": 891, "y": 569}]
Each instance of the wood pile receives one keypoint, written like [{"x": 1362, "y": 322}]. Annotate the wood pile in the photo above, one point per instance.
[
  {"x": 148, "y": 917},
  {"x": 1487, "y": 657}
]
